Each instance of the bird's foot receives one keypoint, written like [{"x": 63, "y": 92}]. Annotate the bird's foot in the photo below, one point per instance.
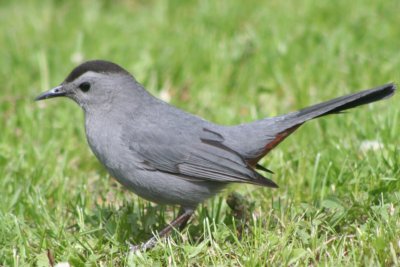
[
  {"x": 143, "y": 247},
  {"x": 180, "y": 221}
]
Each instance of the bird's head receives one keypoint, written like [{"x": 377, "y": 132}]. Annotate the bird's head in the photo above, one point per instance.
[{"x": 95, "y": 83}]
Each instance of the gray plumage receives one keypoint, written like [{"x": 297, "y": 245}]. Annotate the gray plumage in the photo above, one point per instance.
[{"x": 169, "y": 156}]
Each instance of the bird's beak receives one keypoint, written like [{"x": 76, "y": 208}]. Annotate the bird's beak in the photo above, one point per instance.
[{"x": 55, "y": 92}]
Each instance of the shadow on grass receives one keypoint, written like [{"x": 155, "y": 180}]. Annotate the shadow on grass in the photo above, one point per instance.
[{"x": 134, "y": 223}]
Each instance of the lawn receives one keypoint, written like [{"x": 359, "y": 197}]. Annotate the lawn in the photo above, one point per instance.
[{"x": 229, "y": 62}]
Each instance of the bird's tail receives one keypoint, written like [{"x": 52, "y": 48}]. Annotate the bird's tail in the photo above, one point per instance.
[
  {"x": 340, "y": 104},
  {"x": 276, "y": 129}
]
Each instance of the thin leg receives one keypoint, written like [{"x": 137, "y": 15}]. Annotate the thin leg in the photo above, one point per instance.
[
  {"x": 184, "y": 222},
  {"x": 180, "y": 222}
]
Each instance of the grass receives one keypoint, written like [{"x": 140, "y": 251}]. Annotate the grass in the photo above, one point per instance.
[{"x": 227, "y": 61}]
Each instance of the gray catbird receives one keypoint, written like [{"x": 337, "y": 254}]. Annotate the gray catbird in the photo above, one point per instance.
[{"x": 168, "y": 156}]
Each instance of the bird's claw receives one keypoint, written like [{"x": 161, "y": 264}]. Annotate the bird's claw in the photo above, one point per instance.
[{"x": 149, "y": 244}]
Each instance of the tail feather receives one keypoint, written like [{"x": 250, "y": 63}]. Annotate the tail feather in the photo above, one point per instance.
[
  {"x": 340, "y": 104},
  {"x": 274, "y": 130}
]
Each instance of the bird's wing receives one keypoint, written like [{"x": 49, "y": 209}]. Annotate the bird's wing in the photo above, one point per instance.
[{"x": 204, "y": 159}]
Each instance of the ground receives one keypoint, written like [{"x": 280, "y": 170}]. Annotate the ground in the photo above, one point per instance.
[{"x": 229, "y": 62}]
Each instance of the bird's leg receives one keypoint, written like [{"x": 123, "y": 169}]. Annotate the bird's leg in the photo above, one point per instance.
[
  {"x": 182, "y": 211},
  {"x": 179, "y": 222}
]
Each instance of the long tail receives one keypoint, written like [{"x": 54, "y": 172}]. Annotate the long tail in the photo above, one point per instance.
[
  {"x": 274, "y": 130},
  {"x": 340, "y": 104}
]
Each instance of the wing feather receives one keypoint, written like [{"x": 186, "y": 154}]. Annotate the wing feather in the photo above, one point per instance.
[{"x": 203, "y": 159}]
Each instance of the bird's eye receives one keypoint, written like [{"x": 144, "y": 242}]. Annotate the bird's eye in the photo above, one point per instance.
[{"x": 85, "y": 86}]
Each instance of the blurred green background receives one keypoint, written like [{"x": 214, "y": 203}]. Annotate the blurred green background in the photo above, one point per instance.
[{"x": 229, "y": 62}]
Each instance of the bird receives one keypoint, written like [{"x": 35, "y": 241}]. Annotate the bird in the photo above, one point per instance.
[{"x": 169, "y": 156}]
